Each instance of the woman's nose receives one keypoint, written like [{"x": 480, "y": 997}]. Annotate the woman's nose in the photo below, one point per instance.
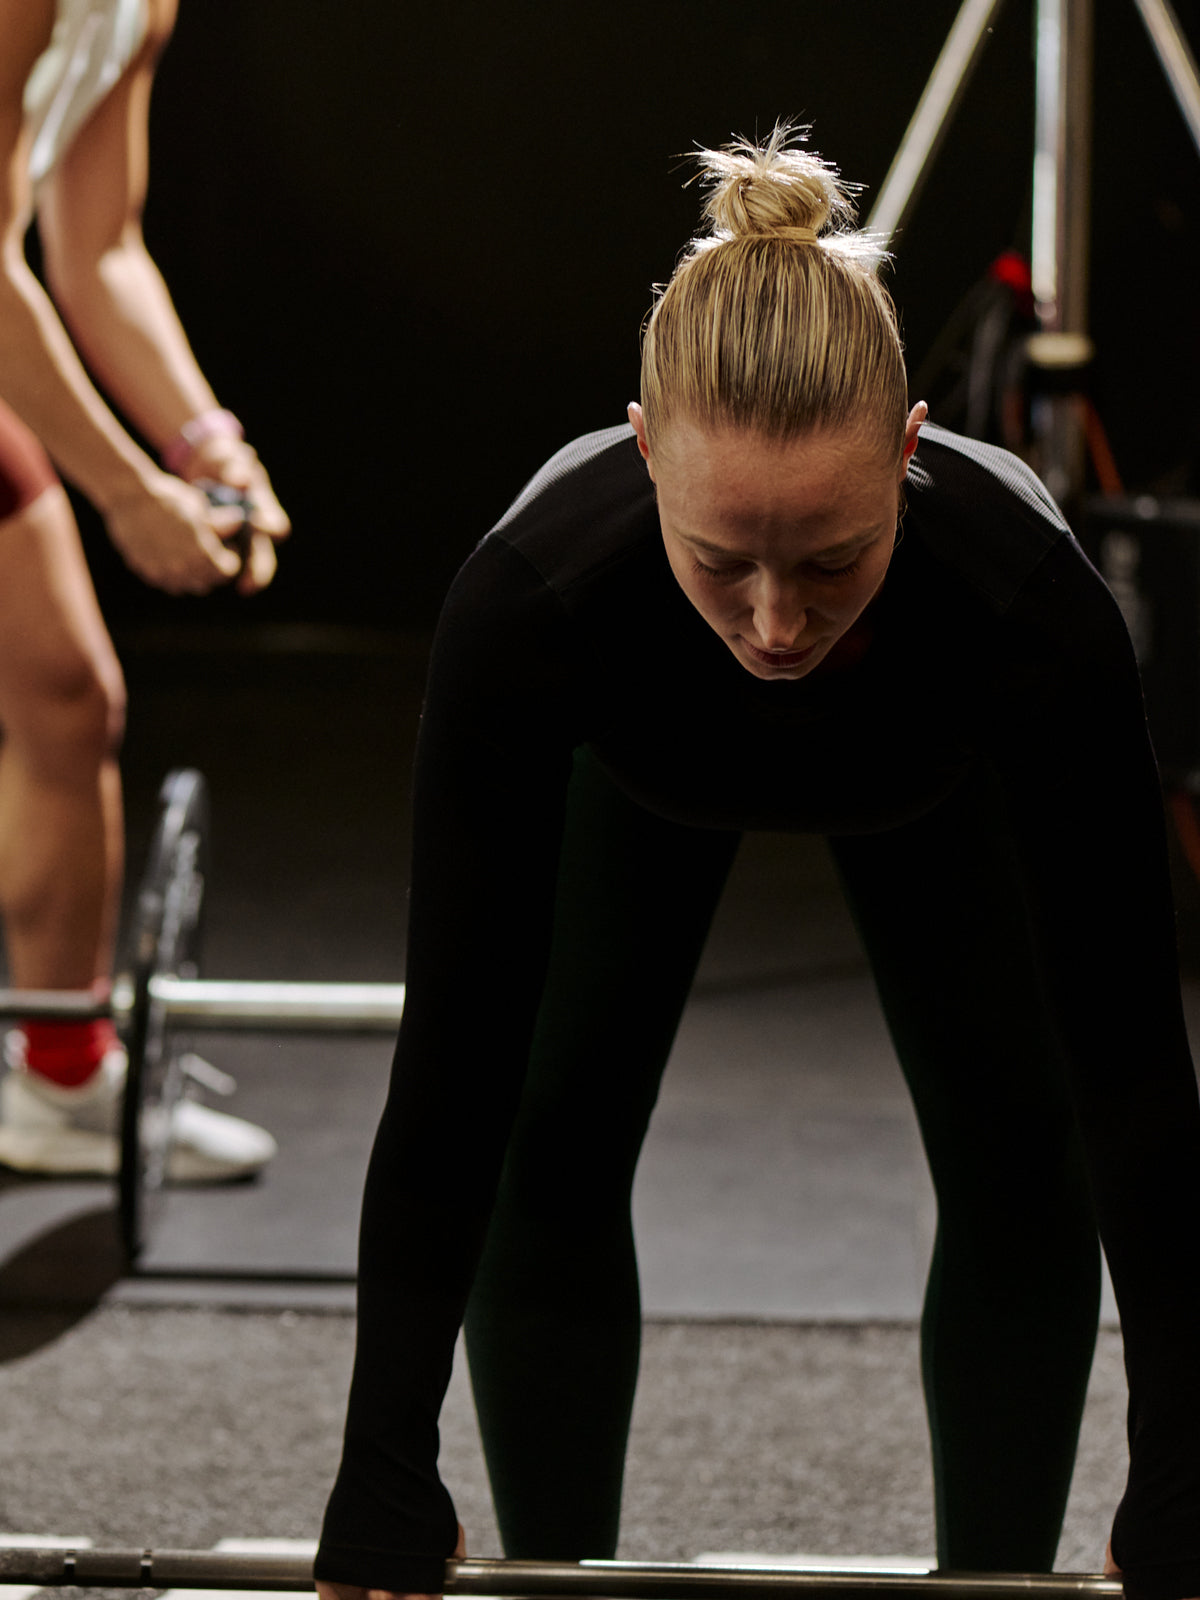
[{"x": 780, "y": 615}]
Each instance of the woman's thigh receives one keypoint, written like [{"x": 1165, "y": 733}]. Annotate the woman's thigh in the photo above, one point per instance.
[
  {"x": 954, "y": 954},
  {"x": 56, "y": 658},
  {"x": 636, "y": 895},
  {"x": 60, "y": 680}
]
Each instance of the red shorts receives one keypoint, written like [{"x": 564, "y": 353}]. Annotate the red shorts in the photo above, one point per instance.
[{"x": 25, "y": 470}]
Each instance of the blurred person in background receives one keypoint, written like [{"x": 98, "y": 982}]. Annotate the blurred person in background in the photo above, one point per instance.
[{"x": 75, "y": 82}]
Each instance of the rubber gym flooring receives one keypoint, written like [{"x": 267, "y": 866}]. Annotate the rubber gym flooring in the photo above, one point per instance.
[
  {"x": 783, "y": 1213},
  {"x": 180, "y": 1427}
]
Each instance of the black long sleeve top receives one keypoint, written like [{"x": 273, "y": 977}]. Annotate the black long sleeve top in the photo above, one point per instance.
[{"x": 993, "y": 640}]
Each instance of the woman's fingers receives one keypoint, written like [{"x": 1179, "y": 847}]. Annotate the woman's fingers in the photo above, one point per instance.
[
  {"x": 258, "y": 565},
  {"x": 170, "y": 536},
  {"x": 354, "y": 1591}
]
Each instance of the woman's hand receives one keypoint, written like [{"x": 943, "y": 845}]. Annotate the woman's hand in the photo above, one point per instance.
[
  {"x": 172, "y": 538},
  {"x": 1111, "y": 1569},
  {"x": 354, "y": 1591},
  {"x": 230, "y": 461}
]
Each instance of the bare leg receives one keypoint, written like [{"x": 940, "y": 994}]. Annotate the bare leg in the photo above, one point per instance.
[{"x": 62, "y": 703}]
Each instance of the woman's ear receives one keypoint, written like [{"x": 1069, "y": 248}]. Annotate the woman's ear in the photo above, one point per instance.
[
  {"x": 912, "y": 430},
  {"x": 638, "y": 423}
]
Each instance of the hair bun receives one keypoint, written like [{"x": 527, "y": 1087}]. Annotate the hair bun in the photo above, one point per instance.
[{"x": 775, "y": 188}]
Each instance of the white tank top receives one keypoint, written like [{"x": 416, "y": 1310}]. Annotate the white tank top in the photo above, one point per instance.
[{"x": 92, "y": 44}]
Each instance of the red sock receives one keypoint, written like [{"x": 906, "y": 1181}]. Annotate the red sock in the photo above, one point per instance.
[{"x": 67, "y": 1053}]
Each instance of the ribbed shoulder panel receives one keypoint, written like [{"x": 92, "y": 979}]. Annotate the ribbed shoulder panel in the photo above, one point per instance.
[
  {"x": 981, "y": 511},
  {"x": 564, "y": 462},
  {"x": 586, "y": 508}
]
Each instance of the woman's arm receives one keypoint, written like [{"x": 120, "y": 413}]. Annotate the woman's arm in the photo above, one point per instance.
[
  {"x": 164, "y": 528},
  {"x": 1083, "y": 794},
  {"x": 117, "y": 306},
  {"x": 109, "y": 291},
  {"x": 493, "y": 760}
]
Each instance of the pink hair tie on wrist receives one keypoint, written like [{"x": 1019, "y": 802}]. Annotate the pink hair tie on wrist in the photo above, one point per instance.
[{"x": 208, "y": 425}]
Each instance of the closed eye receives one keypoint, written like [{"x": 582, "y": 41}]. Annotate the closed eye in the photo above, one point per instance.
[
  {"x": 735, "y": 571},
  {"x": 840, "y": 572},
  {"x": 729, "y": 574}
]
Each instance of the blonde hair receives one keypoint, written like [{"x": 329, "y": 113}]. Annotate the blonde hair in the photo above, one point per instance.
[{"x": 775, "y": 320}]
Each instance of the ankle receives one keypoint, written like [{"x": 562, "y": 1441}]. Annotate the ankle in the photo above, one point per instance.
[{"x": 67, "y": 1053}]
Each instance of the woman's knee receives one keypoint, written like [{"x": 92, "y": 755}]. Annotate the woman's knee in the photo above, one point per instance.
[
  {"x": 86, "y": 706},
  {"x": 111, "y": 682},
  {"x": 68, "y": 717}
]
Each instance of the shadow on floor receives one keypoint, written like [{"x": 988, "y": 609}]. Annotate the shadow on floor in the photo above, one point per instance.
[{"x": 56, "y": 1279}]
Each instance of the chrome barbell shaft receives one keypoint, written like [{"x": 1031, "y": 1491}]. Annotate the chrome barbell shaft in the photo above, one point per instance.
[
  {"x": 145, "y": 1569},
  {"x": 627, "y": 1580},
  {"x": 209, "y": 1003},
  {"x": 605, "y": 1580}
]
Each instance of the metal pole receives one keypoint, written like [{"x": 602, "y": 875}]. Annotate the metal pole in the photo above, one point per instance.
[
  {"x": 1061, "y": 165},
  {"x": 611, "y": 1580},
  {"x": 1175, "y": 58},
  {"x": 899, "y": 190},
  {"x": 1059, "y": 244}
]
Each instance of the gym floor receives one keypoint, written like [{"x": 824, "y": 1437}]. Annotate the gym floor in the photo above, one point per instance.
[{"x": 783, "y": 1211}]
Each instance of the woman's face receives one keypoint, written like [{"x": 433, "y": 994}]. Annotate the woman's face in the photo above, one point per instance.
[{"x": 779, "y": 546}]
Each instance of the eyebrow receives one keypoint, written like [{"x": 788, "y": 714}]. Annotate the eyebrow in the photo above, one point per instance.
[{"x": 831, "y": 551}]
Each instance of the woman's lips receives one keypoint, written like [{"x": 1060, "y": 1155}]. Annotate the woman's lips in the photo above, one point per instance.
[{"x": 778, "y": 658}]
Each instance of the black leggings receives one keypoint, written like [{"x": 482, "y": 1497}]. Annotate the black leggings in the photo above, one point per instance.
[{"x": 1009, "y": 1325}]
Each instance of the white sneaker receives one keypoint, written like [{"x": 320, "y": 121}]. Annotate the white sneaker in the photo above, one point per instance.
[{"x": 48, "y": 1129}]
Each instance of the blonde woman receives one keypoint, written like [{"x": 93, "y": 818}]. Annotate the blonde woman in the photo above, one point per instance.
[
  {"x": 75, "y": 80},
  {"x": 779, "y": 598}
]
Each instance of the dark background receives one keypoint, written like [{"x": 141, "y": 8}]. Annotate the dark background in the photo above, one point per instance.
[{"x": 413, "y": 246}]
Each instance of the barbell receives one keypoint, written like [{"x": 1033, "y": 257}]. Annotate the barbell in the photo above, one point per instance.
[
  {"x": 161, "y": 991},
  {"x": 600, "y": 1580}
]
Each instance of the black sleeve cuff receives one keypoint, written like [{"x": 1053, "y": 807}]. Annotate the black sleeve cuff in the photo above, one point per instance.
[
  {"x": 380, "y": 1569},
  {"x": 1172, "y": 1580}
]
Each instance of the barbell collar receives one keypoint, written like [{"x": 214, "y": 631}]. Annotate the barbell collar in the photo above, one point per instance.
[{"x": 602, "y": 1580}]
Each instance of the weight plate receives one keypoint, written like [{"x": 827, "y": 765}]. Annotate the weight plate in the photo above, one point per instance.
[{"x": 165, "y": 941}]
